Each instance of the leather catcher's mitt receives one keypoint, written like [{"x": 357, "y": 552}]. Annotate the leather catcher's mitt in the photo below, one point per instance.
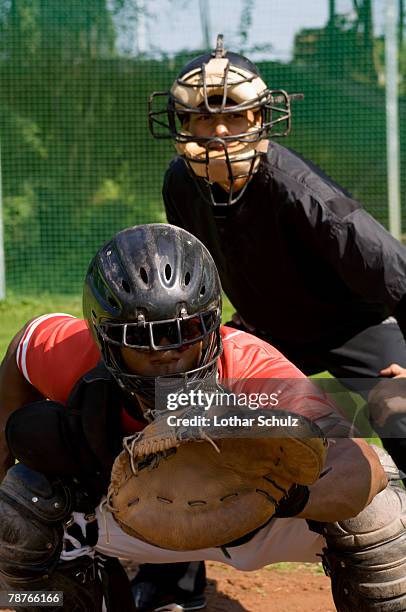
[{"x": 187, "y": 488}]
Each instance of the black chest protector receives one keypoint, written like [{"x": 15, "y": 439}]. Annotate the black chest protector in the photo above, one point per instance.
[{"x": 79, "y": 440}]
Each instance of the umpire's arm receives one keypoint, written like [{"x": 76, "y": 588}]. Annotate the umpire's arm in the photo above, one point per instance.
[
  {"x": 355, "y": 476},
  {"x": 15, "y": 391}
]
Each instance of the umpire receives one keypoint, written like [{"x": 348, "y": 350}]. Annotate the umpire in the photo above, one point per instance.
[{"x": 307, "y": 268}]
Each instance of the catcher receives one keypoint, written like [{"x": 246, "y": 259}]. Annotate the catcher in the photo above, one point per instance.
[{"x": 152, "y": 303}]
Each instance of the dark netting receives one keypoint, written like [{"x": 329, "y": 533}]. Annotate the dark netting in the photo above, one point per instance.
[{"x": 78, "y": 163}]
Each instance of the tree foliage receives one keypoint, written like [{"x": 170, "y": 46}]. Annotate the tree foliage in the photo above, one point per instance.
[{"x": 78, "y": 162}]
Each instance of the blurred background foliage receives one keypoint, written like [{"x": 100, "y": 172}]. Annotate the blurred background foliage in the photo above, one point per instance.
[{"x": 78, "y": 162}]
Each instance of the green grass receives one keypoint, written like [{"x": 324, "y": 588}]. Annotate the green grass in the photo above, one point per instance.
[
  {"x": 289, "y": 566},
  {"x": 15, "y": 312},
  {"x": 228, "y": 309}
]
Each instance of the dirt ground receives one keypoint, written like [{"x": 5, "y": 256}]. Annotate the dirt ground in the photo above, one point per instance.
[
  {"x": 298, "y": 588},
  {"x": 292, "y": 587}
]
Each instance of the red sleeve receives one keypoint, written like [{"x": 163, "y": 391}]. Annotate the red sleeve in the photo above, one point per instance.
[
  {"x": 246, "y": 356},
  {"x": 54, "y": 352},
  {"x": 252, "y": 367}
]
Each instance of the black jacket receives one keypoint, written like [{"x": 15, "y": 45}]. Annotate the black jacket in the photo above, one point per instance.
[{"x": 297, "y": 256}]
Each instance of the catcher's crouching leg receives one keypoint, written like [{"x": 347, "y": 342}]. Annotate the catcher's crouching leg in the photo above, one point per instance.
[
  {"x": 366, "y": 555},
  {"x": 32, "y": 512}
]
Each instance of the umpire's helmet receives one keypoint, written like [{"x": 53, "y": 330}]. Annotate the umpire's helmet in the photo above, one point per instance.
[{"x": 215, "y": 83}]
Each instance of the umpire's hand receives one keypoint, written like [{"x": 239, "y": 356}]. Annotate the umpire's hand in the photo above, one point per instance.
[{"x": 388, "y": 397}]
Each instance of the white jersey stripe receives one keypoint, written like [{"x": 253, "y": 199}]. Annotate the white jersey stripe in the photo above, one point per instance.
[
  {"x": 238, "y": 331},
  {"x": 21, "y": 354}
]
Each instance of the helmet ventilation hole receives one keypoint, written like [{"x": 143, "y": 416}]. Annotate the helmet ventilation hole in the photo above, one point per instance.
[
  {"x": 168, "y": 272},
  {"x": 126, "y": 286},
  {"x": 187, "y": 278},
  {"x": 144, "y": 275},
  {"x": 112, "y": 302},
  {"x": 202, "y": 290}
]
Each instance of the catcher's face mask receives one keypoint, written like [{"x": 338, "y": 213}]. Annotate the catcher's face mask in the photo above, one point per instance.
[
  {"x": 224, "y": 84},
  {"x": 161, "y": 353},
  {"x": 153, "y": 372},
  {"x": 171, "y": 334},
  {"x": 152, "y": 290}
]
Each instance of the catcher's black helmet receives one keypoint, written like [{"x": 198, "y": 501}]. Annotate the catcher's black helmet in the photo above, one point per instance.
[
  {"x": 221, "y": 82},
  {"x": 149, "y": 282}
]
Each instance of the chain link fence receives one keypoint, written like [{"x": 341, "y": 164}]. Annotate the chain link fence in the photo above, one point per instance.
[{"x": 78, "y": 163}]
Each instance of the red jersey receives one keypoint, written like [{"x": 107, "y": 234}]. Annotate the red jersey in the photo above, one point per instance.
[{"x": 56, "y": 350}]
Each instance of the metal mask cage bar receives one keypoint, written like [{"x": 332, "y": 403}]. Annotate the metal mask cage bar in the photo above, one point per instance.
[
  {"x": 205, "y": 88},
  {"x": 229, "y": 162},
  {"x": 270, "y": 102},
  {"x": 146, "y": 385},
  {"x": 167, "y": 379},
  {"x": 179, "y": 332},
  {"x": 179, "y": 107},
  {"x": 175, "y": 107},
  {"x": 255, "y": 135},
  {"x": 201, "y": 83},
  {"x": 233, "y": 196},
  {"x": 267, "y": 96},
  {"x": 153, "y": 115}
]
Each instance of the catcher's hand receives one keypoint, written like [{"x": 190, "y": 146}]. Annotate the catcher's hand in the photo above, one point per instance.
[{"x": 187, "y": 488}]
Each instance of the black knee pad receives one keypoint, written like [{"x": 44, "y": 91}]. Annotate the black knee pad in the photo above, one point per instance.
[
  {"x": 78, "y": 580},
  {"x": 32, "y": 511}
]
